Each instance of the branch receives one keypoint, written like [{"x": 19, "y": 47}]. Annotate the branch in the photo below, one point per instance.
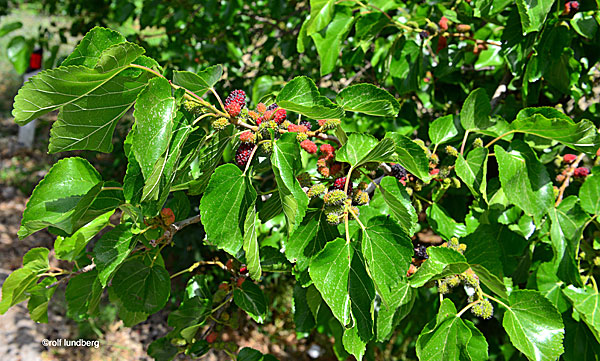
[
  {"x": 500, "y": 90},
  {"x": 73, "y": 274},
  {"x": 176, "y": 227},
  {"x": 570, "y": 172}
]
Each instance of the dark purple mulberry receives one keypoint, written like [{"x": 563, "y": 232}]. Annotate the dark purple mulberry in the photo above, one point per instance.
[
  {"x": 237, "y": 97},
  {"x": 242, "y": 155},
  {"x": 272, "y": 106},
  {"x": 398, "y": 171},
  {"x": 306, "y": 123},
  {"x": 421, "y": 251}
]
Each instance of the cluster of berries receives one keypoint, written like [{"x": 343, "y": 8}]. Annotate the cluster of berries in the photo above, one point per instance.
[
  {"x": 568, "y": 160},
  {"x": 337, "y": 202},
  {"x": 235, "y": 102}
]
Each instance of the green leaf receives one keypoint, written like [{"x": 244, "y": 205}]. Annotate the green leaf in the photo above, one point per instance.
[
  {"x": 54, "y": 199},
  {"x": 451, "y": 338},
  {"x": 368, "y": 99},
  {"x": 223, "y": 208},
  {"x": 69, "y": 248},
  {"x": 117, "y": 56},
  {"x": 162, "y": 350},
  {"x": 89, "y": 49},
  {"x": 483, "y": 248},
  {"x": 475, "y": 112},
  {"x": 580, "y": 344},
  {"x": 353, "y": 343},
  {"x": 251, "y": 246},
  {"x": 585, "y": 301},
  {"x": 552, "y": 124},
  {"x": 473, "y": 171},
  {"x": 584, "y": 23},
  {"x": 442, "y": 129},
  {"x": 550, "y": 286},
  {"x": 321, "y": 13},
  {"x": 23, "y": 280},
  {"x": 399, "y": 202},
  {"x": 589, "y": 194},
  {"x": 443, "y": 224},
  {"x": 534, "y": 325},
  {"x": 411, "y": 156},
  {"x": 533, "y": 14},
  {"x": 286, "y": 163},
  {"x": 301, "y": 96},
  {"x": 568, "y": 221},
  {"x": 329, "y": 271},
  {"x": 10, "y": 27},
  {"x": 199, "y": 83},
  {"x": 107, "y": 98},
  {"x": 309, "y": 238},
  {"x": 405, "y": 66},
  {"x": 154, "y": 113},
  {"x": 251, "y": 299},
  {"x": 18, "y": 52},
  {"x": 39, "y": 298},
  {"x": 442, "y": 262},
  {"x": 102, "y": 198},
  {"x": 111, "y": 250},
  {"x": 362, "y": 294},
  {"x": 158, "y": 185},
  {"x": 363, "y": 148},
  {"x": 388, "y": 251},
  {"x": 52, "y": 89},
  {"x": 524, "y": 179},
  {"x": 141, "y": 287},
  {"x": 83, "y": 295},
  {"x": 490, "y": 280},
  {"x": 303, "y": 318},
  {"x": 329, "y": 40},
  {"x": 388, "y": 318}
]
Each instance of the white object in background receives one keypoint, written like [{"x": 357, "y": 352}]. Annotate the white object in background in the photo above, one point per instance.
[{"x": 27, "y": 131}]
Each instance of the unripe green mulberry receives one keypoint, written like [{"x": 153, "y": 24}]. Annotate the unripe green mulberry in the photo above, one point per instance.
[
  {"x": 470, "y": 278},
  {"x": 316, "y": 190},
  {"x": 192, "y": 107},
  {"x": 361, "y": 197},
  {"x": 451, "y": 151},
  {"x": 453, "y": 281},
  {"x": 220, "y": 123},
  {"x": 333, "y": 219},
  {"x": 335, "y": 198},
  {"x": 355, "y": 211},
  {"x": 301, "y": 137},
  {"x": 267, "y": 147},
  {"x": 477, "y": 143},
  {"x": 329, "y": 123},
  {"x": 443, "y": 287},
  {"x": 362, "y": 186},
  {"x": 455, "y": 182},
  {"x": 304, "y": 179},
  {"x": 483, "y": 309}
]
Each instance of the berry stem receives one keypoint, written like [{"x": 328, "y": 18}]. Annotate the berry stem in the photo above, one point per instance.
[
  {"x": 355, "y": 216},
  {"x": 467, "y": 307},
  {"x": 464, "y": 141},
  {"x": 495, "y": 299},
  {"x": 203, "y": 116},
  {"x": 569, "y": 175},
  {"x": 198, "y": 264},
  {"x": 250, "y": 159},
  {"x": 498, "y": 138},
  {"x": 212, "y": 90}
]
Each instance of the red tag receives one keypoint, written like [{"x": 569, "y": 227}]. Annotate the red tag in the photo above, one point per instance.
[{"x": 35, "y": 61}]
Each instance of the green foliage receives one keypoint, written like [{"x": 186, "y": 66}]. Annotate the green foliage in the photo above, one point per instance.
[{"x": 499, "y": 223}]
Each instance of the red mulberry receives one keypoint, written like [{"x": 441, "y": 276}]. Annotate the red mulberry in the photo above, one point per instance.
[
  {"x": 234, "y": 109},
  {"x": 242, "y": 155},
  {"x": 569, "y": 158},
  {"x": 581, "y": 172},
  {"x": 309, "y": 146},
  {"x": 247, "y": 137},
  {"x": 327, "y": 149},
  {"x": 279, "y": 116},
  {"x": 340, "y": 183}
]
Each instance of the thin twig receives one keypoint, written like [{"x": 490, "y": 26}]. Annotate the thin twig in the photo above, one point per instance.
[
  {"x": 570, "y": 172},
  {"x": 500, "y": 90},
  {"x": 73, "y": 274}
]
